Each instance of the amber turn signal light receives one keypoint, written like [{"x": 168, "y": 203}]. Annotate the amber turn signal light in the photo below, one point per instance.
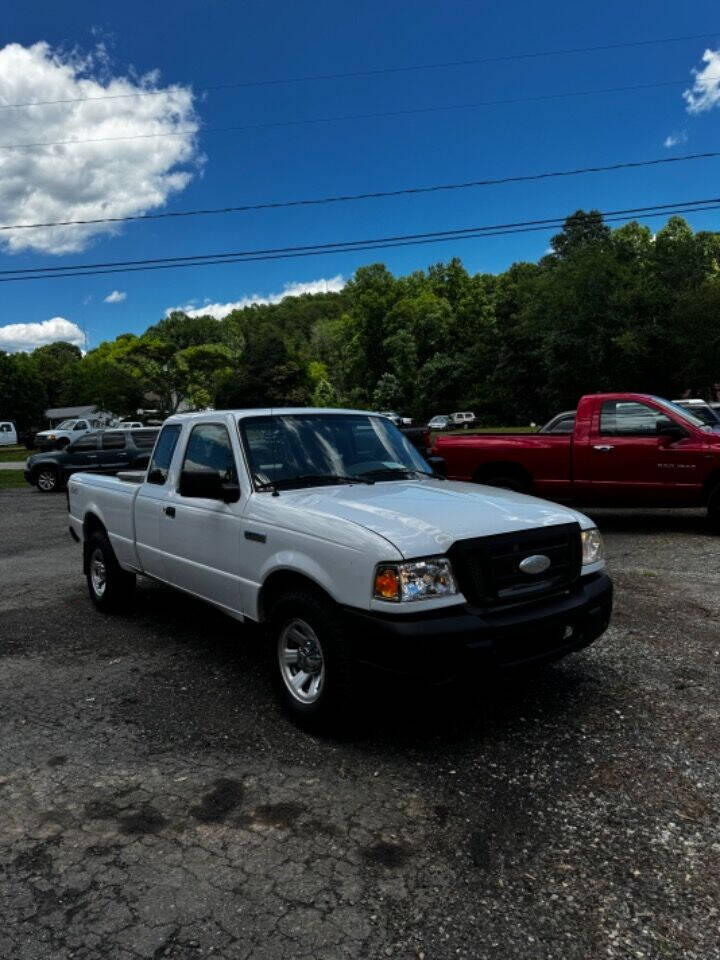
[{"x": 387, "y": 583}]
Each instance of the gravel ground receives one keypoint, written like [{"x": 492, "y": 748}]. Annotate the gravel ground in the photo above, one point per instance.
[{"x": 155, "y": 802}]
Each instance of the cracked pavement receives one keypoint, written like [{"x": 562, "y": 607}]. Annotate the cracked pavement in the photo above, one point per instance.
[{"x": 156, "y": 803}]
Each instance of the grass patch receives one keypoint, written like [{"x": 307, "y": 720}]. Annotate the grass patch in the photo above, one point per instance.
[
  {"x": 12, "y": 479},
  {"x": 9, "y": 454}
]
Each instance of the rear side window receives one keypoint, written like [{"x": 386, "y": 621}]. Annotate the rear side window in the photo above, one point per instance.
[
  {"x": 113, "y": 441},
  {"x": 163, "y": 453},
  {"x": 84, "y": 443},
  {"x": 144, "y": 439},
  {"x": 209, "y": 451},
  {"x": 5, "y": 427}
]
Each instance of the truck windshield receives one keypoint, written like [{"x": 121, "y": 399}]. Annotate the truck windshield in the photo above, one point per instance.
[
  {"x": 66, "y": 425},
  {"x": 681, "y": 412},
  {"x": 309, "y": 449}
]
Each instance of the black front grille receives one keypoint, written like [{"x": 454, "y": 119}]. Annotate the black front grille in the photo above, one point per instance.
[{"x": 488, "y": 568}]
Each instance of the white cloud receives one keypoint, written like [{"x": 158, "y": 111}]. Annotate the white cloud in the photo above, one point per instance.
[
  {"x": 220, "y": 310},
  {"x": 113, "y": 178},
  {"x": 26, "y": 336},
  {"x": 676, "y": 137},
  {"x": 705, "y": 93},
  {"x": 117, "y": 296}
]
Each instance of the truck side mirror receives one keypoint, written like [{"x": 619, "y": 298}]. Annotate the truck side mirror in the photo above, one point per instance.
[
  {"x": 438, "y": 465},
  {"x": 208, "y": 485}
]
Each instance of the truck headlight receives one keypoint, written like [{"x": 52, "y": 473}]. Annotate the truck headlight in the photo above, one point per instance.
[
  {"x": 593, "y": 549},
  {"x": 417, "y": 580}
]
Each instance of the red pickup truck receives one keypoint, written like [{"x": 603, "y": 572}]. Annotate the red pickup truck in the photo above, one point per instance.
[{"x": 626, "y": 449}]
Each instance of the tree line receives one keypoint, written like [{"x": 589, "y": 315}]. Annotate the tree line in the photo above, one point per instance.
[{"x": 604, "y": 309}]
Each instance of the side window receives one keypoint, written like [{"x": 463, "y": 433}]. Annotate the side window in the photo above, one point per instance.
[
  {"x": 5, "y": 427},
  {"x": 623, "y": 419},
  {"x": 163, "y": 453},
  {"x": 209, "y": 451},
  {"x": 80, "y": 425},
  {"x": 113, "y": 441},
  {"x": 84, "y": 444}
]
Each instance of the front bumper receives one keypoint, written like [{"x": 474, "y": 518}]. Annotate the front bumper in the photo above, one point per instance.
[{"x": 446, "y": 644}]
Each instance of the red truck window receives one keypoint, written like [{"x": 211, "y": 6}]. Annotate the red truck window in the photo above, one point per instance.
[{"x": 620, "y": 418}]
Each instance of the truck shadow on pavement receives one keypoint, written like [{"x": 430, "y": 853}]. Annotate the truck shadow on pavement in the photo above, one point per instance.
[
  {"x": 213, "y": 686},
  {"x": 651, "y": 521}
]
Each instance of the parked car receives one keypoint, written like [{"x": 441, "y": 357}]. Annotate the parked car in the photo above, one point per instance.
[
  {"x": 327, "y": 527},
  {"x": 440, "y": 422},
  {"x": 702, "y": 410},
  {"x": 397, "y": 419},
  {"x": 66, "y": 432},
  {"x": 561, "y": 423},
  {"x": 8, "y": 433},
  {"x": 128, "y": 425},
  {"x": 104, "y": 451},
  {"x": 625, "y": 449},
  {"x": 463, "y": 420}
]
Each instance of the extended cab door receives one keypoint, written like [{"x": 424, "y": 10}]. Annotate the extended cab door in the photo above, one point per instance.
[
  {"x": 200, "y": 533},
  {"x": 150, "y": 502},
  {"x": 627, "y": 460}
]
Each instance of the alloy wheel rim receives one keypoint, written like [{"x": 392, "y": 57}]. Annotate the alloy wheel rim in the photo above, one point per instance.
[
  {"x": 98, "y": 573},
  {"x": 46, "y": 480},
  {"x": 301, "y": 661}
]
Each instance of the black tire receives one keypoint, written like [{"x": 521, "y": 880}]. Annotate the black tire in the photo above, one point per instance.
[
  {"x": 713, "y": 509},
  {"x": 62, "y": 443},
  {"x": 111, "y": 588},
  {"x": 335, "y": 692},
  {"x": 47, "y": 479}
]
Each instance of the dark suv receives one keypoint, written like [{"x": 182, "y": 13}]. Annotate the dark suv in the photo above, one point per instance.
[{"x": 101, "y": 451}]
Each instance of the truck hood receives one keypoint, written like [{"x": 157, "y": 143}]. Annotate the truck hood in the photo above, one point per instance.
[{"x": 423, "y": 517}]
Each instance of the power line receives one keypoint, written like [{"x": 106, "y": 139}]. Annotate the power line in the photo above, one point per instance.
[
  {"x": 388, "y": 114},
  {"x": 378, "y": 194},
  {"x": 345, "y": 246},
  {"x": 472, "y": 61}
]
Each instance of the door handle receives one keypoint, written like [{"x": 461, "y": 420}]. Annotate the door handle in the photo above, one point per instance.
[
  {"x": 169, "y": 511},
  {"x": 603, "y": 447}
]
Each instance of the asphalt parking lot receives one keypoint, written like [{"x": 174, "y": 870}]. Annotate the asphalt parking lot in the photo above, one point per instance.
[{"x": 155, "y": 802}]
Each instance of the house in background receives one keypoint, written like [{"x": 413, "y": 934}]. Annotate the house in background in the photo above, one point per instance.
[{"x": 56, "y": 414}]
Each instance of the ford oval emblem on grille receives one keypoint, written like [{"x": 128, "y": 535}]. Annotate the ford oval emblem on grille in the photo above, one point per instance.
[{"x": 538, "y": 563}]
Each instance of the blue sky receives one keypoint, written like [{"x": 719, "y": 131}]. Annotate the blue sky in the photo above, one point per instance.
[{"x": 193, "y": 44}]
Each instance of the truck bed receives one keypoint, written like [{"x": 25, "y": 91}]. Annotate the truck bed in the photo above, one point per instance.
[{"x": 538, "y": 462}]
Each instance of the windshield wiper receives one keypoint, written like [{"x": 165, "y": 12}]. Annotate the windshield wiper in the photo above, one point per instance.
[
  {"x": 384, "y": 473},
  {"x": 311, "y": 478}
]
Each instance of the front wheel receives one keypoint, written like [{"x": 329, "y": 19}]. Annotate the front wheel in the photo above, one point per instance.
[
  {"x": 111, "y": 588},
  {"x": 713, "y": 509},
  {"x": 47, "y": 480},
  {"x": 312, "y": 664}
]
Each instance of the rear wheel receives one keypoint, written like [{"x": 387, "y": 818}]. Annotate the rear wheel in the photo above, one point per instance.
[
  {"x": 47, "y": 480},
  {"x": 312, "y": 663},
  {"x": 111, "y": 588}
]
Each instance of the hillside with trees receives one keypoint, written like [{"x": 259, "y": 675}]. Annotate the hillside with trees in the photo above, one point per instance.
[{"x": 605, "y": 309}]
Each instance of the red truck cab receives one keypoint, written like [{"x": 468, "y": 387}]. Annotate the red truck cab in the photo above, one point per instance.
[{"x": 626, "y": 449}]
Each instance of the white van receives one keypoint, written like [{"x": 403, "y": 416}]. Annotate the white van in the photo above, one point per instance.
[
  {"x": 462, "y": 419},
  {"x": 8, "y": 433}
]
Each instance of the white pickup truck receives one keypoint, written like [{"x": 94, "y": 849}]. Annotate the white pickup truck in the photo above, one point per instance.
[{"x": 329, "y": 527}]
